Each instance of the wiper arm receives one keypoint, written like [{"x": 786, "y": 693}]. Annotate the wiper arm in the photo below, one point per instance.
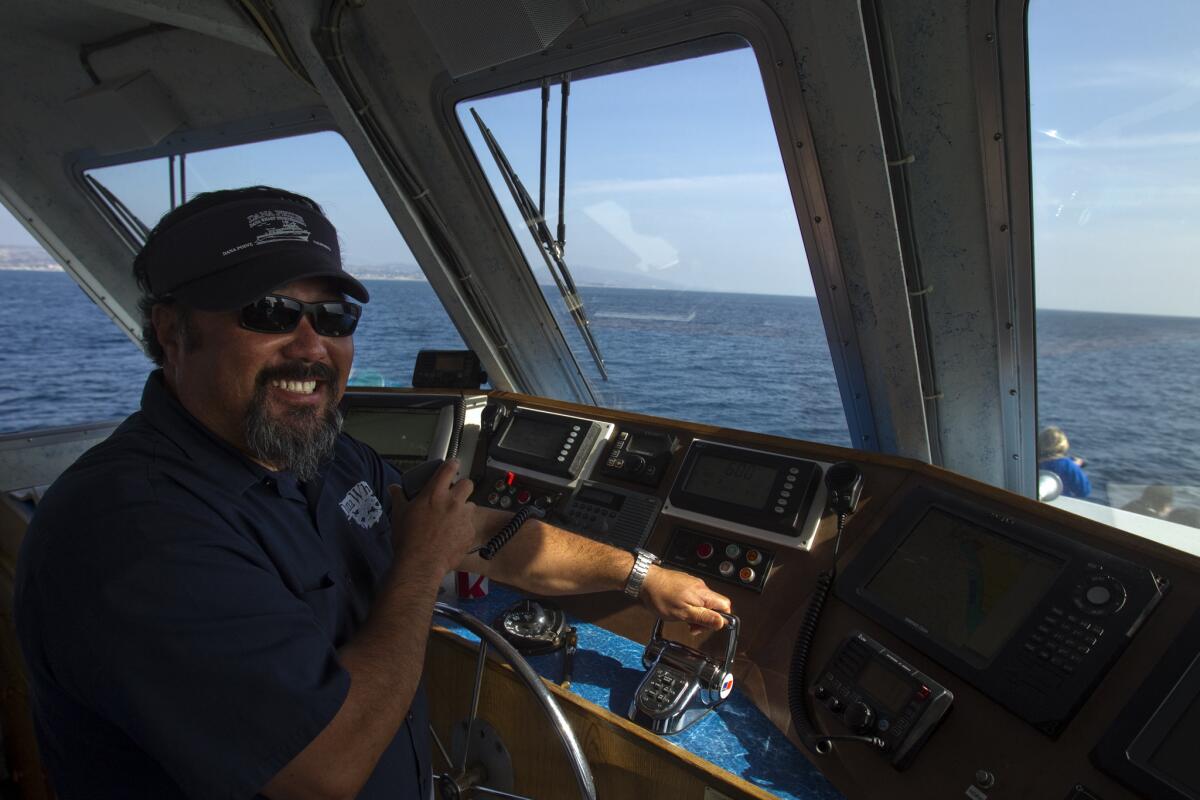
[
  {"x": 547, "y": 246},
  {"x": 138, "y": 232}
]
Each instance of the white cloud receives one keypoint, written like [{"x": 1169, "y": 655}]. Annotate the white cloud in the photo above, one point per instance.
[
  {"x": 653, "y": 252},
  {"x": 1150, "y": 141}
]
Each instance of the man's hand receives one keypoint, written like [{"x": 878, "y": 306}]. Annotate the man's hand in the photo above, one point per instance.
[
  {"x": 437, "y": 526},
  {"x": 685, "y": 598}
]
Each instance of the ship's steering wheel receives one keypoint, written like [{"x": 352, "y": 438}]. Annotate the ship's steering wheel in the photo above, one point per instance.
[{"x": 458, "y": 781}]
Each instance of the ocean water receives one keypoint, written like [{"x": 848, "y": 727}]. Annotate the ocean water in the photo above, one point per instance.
[{"x": 1124, "y": 388}]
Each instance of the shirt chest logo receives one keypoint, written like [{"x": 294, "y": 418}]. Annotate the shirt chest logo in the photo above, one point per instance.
[{"x": 361, "y": 506}]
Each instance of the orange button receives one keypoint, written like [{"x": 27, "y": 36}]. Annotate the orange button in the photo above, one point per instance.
[{"x": 746, "y": 575}]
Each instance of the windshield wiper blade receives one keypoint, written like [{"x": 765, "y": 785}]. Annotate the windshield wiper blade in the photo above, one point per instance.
[
  {"x": 137, "y": 231},
  {"x": 550, "y": 249}
]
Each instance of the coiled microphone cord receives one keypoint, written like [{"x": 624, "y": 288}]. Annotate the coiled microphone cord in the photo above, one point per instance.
[
  {"x": 819, "y": 743},
  {"x": 489, "y": 550}
]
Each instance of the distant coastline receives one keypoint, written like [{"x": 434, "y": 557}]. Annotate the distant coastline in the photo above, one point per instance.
[{"x": 27, "y": 259}]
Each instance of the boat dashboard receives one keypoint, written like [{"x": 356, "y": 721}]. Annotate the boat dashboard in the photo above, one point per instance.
[{"x": 957, "y": 638}]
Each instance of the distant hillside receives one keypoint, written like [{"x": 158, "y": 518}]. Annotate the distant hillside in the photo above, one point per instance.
[
  {"x": 618, "y": 279},
  {"x": 14, "y": 256},
  {"x": 583, "y": 275},
  {"x": 394, "y": 271}
]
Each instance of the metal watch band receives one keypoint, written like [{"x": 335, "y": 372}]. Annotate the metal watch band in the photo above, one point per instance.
[{"x": 642, "y": 562}]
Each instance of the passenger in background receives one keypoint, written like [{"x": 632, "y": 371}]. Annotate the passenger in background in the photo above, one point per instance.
[
  {"x": 1052, "y": 455},
  {"x": 1156, "y": 501}
]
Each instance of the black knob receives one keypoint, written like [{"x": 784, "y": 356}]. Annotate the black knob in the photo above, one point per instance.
[
  {"x": 636, "y": 464},
  {"x": 1098, "y": 595},
  {"x": 835, "y": 705},
  {"x": 820, "y": 693},
  {"x": 860, "y": 717}
]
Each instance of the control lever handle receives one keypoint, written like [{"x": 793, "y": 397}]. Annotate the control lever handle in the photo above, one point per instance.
[
  {"x": 658, "y": 645},
  {"x": 681, "y": 684}
]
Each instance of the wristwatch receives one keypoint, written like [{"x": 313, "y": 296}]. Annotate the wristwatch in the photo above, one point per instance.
[{"x": 641, "y": 567}]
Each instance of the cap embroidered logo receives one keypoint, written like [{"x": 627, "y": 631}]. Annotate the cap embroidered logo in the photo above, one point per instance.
[{"x": 278, "y": 225}]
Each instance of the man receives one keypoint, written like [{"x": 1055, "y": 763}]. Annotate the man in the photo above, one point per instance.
[{"x": 224, "y": 598}]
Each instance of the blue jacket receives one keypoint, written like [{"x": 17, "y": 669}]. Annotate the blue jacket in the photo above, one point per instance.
[{"x": 1075, "y": 480}]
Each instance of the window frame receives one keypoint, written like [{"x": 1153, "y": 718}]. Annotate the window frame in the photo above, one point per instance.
[
  {"x": 186, "y": 142},
  {"x": 626, "y": 40},
  {"x": 1001, "y": 64}
]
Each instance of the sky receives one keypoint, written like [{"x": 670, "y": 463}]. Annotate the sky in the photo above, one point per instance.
[
  {"x": 1115, "y": 118},
  {"x": 674, "y": 173}
]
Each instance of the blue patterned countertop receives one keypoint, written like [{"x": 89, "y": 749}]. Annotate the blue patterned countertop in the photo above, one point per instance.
[{"x": 736, "y": 736}]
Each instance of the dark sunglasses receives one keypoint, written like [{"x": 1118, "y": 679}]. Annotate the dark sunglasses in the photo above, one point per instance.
[{"x": 274, "y": 313}]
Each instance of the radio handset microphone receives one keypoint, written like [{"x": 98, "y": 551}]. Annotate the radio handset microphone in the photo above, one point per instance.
[
  {"x": 844, "y": 484},
  {"x": 413, "y": 480},
  {"x": 843, "y": 487}
]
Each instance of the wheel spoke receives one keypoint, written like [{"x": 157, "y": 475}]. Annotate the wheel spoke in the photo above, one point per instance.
[
  {"x": 479, "y": 667},
  {"x": 498, "y": 793},
  {"x": 542, "y": 696},
  {"x": 441, "y": 748}
]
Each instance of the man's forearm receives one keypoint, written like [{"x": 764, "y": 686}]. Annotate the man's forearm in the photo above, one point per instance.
[
  {"x": 385, "y": 660},
  {"x": 548, "y": 560}
]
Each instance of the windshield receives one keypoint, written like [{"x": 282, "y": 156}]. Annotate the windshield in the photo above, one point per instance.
[
  {"x": 681, "y": 237},
  {"x": 81, "y": 368},
  {"x": 1115, "y": 119}
]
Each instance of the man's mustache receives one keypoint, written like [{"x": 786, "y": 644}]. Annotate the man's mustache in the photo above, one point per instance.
[{"x": 298, "y": 371}]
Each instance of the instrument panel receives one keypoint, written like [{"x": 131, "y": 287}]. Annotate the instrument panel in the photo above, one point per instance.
[{"x": 1038, "y": 624}]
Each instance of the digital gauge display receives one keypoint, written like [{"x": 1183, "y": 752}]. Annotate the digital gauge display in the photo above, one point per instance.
[
  {"x": 540, "y": 437},
  {"x": 755, "y": 492},
  {"x": 739, "y": 482}
]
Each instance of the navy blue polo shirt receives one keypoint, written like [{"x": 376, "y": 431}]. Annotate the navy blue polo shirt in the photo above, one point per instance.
[{"x": 180, "y": 610}]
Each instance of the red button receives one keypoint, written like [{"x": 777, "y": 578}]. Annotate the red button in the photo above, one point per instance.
[
  {"x": 523, "y": 496},
  {"x": 923, "y": 692},
  {"x": 704, "y": 550},
  {"x": 746, "y": 575}
]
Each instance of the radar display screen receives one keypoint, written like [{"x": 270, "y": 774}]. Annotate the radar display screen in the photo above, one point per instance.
[
  {"x": 962, "y": 585},
  {"x": 740, "y": 482}
]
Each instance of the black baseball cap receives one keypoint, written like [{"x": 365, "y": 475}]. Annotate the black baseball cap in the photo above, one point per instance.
[{"x": 230, "y": 255}]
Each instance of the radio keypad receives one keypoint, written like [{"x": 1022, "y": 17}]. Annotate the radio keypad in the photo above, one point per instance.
[{"x": 1063, "y": 640}]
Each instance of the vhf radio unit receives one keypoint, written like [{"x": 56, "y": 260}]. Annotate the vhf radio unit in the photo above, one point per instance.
[{"x": 873, "y": 692}]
